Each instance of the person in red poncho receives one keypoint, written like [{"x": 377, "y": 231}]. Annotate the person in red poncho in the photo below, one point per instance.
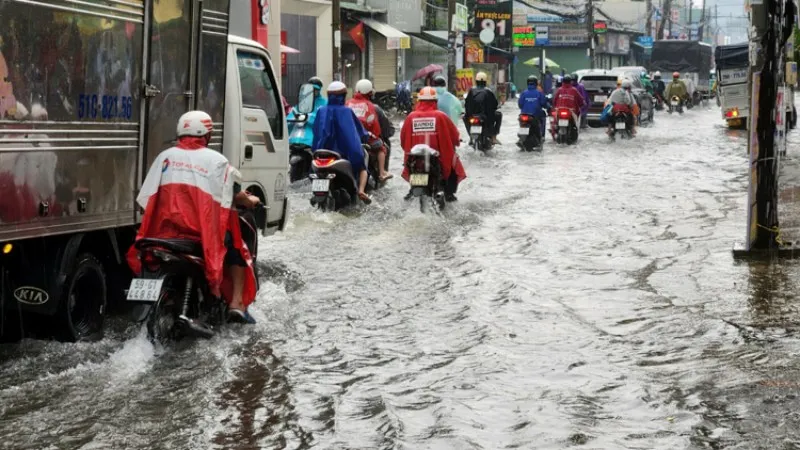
[
  {"x": 427, "y": 125},
  {"x": 364, "y": 109},
  {"x": 188, "y": 194}
]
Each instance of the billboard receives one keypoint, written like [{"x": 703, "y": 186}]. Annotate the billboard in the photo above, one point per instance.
[{"x": 495, "y": 15}]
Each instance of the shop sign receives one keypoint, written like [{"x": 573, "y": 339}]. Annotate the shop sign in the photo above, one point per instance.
[{"x": 524, "y": 36}]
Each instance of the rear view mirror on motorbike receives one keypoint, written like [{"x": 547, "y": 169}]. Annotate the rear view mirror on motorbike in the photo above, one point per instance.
[{"x": 305, "y": 99}]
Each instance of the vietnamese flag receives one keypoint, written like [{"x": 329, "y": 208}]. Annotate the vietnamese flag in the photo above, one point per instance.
[{"x": 357, "y": 33}]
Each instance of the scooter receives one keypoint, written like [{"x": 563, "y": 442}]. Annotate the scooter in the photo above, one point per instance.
[
  {"x": 333, "y": 182},
  {"x": 481, "y": 140},
  {"x": 529, "y": 133},
  {"x": 675, "y": 104},
  {"x": 425, "y": 177},
  {"x": 620, "y": 125},
  {"x": 565, "y": 126}
]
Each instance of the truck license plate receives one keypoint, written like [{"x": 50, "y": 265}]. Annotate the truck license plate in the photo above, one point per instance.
[
  {"x": 145, "y": 290},
  {"x": 620, "y": 125},
  {"x": 563, "y": 123},
  {"x": 419, "y": 179},
  {"x": 476, "y": 129},
  {"x": 524, "y": 131},
  {"x": 320, "y": 185}
]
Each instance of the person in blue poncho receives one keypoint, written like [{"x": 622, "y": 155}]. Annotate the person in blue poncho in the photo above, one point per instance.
[
  {"x": 338, "y": 129},
  {"x": 319, "y": 101},
  {"x": 533, "y": 103},
  {"x": 447, "y": 102}
]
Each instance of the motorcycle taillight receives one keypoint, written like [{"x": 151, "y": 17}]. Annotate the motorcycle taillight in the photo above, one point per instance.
[
  {"x": 474, "y": 120},
  {"x": 563, "y": 114},
  {"x": 322, "y": 162}
]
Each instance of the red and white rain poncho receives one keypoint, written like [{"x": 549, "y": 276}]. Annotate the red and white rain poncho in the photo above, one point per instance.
[{"x": 188, "y": 194}]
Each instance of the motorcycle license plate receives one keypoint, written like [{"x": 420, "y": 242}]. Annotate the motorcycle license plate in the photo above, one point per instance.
[
  {"x": 320, "y": 185},
  {"x": 524, "y": 131},
  {"x": 563, "y": 123},
  {"x": 419, "y": 179},
  {"x": 600, "y": 98},
  {"x": 145, "y": 290},
  {"x": 476, "y": 129},
  {"x": 620, "y": 125},
  {"x": 674, "y": 103}
]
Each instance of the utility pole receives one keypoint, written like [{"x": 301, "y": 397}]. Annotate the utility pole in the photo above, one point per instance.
[
  {"x": 590, "y": 27},
  {"x": 701, "y": 30},
  {"x": 451, "y": 46},
  {"x": 666, "y": 15},
  {"x": 336, "y": 26},
  {"x": 648, "y": 30},
  {"x": 690, "y": 20}
]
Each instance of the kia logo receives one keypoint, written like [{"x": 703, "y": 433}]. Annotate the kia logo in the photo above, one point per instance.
[{"x": 31, "y": 295}]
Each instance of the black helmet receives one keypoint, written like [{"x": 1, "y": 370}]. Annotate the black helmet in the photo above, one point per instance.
[
  {"x": 575, "y": 77},
  {"x": 567, "y": 79},
  {"x": 439, "y": 81},
  {"x": 316, "y": 82},
  {"x": 533, "y": 80}
]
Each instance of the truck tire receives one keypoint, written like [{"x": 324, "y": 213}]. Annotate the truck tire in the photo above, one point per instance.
[{"x": 82, "y": 302}]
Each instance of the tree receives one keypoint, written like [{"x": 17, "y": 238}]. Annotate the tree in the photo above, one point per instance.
[{"x": 666, "y": 16}]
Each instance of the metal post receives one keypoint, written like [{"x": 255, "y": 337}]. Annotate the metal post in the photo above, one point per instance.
[
  {"x": 649, "y": 24},
  {"x": 336, "y": 29},
  {"x": 451, "y": 46},
  {"x": 590, "y": 26}
]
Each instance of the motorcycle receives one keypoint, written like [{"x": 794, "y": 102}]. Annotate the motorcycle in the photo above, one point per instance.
[
  {"x": 300, "y": 154},
  {"x": 659, "y": 103},
  {"x": 173, "y": 280},
  {"x": 373, "y": 146},
  {"x": 565, "y": 126},
  {"x": 621, "y": 124},
  {"x": 529, "y": 133},
  {"x": 387, "y": 100},
  {"x": 333, "y": 182},
  {"x": 675, "y": 104},
  {"x": 404, "y": 98},
  {"x": 299, "y": 162},
  {"x": 425, "y": 177},
  {"x": 480, "y": 138}
]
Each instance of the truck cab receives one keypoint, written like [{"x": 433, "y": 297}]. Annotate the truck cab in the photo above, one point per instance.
[{"x": 256, "y": 136}]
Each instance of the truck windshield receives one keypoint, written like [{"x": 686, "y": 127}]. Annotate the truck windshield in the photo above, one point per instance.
[{"x": 258, "y": 89}]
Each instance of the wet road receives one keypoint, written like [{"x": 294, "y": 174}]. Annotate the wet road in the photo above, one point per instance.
[{"x": 585, "y": 297}]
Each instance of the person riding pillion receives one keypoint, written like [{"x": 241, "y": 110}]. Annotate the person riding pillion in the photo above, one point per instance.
[
  {"x": 365, "y": 110},
  {"x": 447, "y": 102},
  {"x": 676, "y": 88},
  {"x": 646, "y": 83},
  {"x": 189, "y": 193},
  {"x": 319, "y": 102},
  {"x": 482, "y": 101},
  {"x": 623, "y": 101},
  {"x": 533, "y": 103},
  {"x": 427, "y": 125},
  {"x": 338, "y": 129}
]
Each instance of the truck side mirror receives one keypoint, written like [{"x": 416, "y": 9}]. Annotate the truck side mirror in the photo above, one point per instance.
[{"x": 305, "y": 102}]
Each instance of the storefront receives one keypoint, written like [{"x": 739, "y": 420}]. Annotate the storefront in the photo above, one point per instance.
[
  {"x": 612, "y": 50},
  {"x": 386, "y": 47}
]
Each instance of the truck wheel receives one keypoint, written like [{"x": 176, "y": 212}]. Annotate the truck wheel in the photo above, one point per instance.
[{"x": 82, "y": 303}]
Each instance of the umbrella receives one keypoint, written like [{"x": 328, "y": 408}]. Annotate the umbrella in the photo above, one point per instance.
[
  {"x": 427, "y": 70},
  {"x": 287, "y": 49},
  {"x": 549, "y": 63}
]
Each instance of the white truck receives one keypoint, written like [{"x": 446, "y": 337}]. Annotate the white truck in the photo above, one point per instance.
[
  {"x": 90, "y": 93},
  {"x": 733, "y": 96}
]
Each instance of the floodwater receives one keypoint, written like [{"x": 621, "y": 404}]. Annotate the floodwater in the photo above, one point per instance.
[{"x": 585, "y": 297}]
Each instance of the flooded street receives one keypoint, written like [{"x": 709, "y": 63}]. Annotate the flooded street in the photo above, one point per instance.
[{"x": 583, "y": 297}]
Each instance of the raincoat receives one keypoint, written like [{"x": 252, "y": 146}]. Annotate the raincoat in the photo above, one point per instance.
[
  {"x": 427, "y": 125},
  {"x": 364, "y": 109},
  {"x": 532, "y": 102},
  {"x": 449, "y": 104},
  {"x": 548, "y": 83},
  {"x": 648, "y": 85},
  {"x": 188, "y": 194},
  {"x": 568, "y": 97},
  {"x": 676, "y": 88},
  {"x": 586, "y": 100},
  {"x": 338, "y": 129},
  {"x": 305, "y": 134}
]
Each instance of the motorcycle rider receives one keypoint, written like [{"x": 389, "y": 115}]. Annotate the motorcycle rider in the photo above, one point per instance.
[
  {"x": 338, "y": 129},
  {"x": 658, "y": 86},
  {"x": 319, "y": 102},
  {"x": 482, "y": 101},
  {"x": 676, "y": 88},
  {"x": 188, "y": 193},
  {"x": 646, "y": 83},
  {"x": 586, "y": 100},
  {"x": 567, "y": 96},
  {"x": 365, "y": 110},
  {"x": 623, "y": 101},
  {"x": 532, "y": 102},
  {"x": 447, "y": 103},
  {"x": 440, "y": 134}
]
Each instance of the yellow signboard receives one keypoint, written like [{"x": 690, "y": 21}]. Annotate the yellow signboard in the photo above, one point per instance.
[{"x": 464, "y": 81}]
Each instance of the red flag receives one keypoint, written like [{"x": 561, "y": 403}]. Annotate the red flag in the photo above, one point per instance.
[{"x": 357, "y": 33}]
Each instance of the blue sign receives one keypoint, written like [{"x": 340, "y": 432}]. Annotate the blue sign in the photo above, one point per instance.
[
  {"x": 646, "y": 41},
  {"x": 537, "y": 18}
]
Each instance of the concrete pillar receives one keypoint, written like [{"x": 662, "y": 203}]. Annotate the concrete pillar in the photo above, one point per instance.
[
  {"x": 324, "y": 44},
  {"x": 274, "y": 37}
]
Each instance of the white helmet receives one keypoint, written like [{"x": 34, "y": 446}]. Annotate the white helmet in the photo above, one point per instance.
[
  {"x": 195, "y": 123},
  {"x": 427, "y": 93},
  {"x": 657, "y": 74},
  {"x": 626, "y": 84},
  {"x": 481, "y": 76},
  {"x": 337, "y": 87},
  {"x": 364, "y": 87}
]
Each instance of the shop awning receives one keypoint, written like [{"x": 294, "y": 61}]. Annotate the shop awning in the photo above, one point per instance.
[{"x": 394, "y": 38}]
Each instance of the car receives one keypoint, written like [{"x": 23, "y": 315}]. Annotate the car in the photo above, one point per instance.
[{"x": 599, "y": 84}]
